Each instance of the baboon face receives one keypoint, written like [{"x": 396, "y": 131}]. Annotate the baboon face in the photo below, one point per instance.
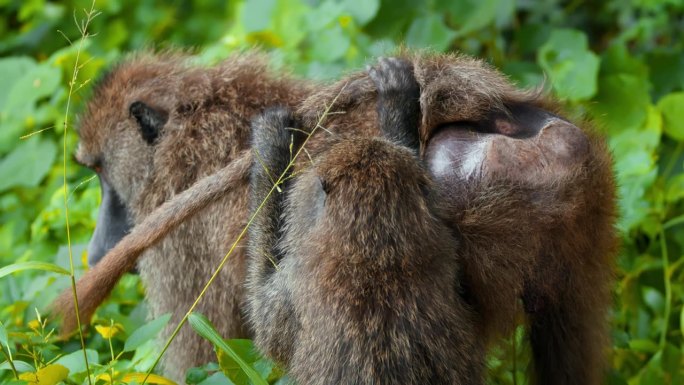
[{"x": 118, "y": 133}]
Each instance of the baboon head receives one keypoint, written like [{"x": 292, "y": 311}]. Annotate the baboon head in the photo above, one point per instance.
[{"x": 119, "y": 131}]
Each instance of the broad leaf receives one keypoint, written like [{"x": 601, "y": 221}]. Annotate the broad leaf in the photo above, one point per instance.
[
  {"x": 205, "y": 329},
  {"x": 146, "y": 333},
  {"x": 672, "y": 108},
  {"x": 570, "y": 65},
  {"x": 27, "y": 164},
  {"x": 49, "y": 375}
]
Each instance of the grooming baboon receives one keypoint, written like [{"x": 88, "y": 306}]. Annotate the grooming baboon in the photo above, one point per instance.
[
  {"x": 352, "y": 278},
  {"x": 529, "y": 196},
  {"x": 154, "y": 126}
]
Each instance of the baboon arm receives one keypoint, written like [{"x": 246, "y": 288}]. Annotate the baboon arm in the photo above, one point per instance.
[
  {"x": 94, "y": 287},
  {"x": 270, "y": 304},
  {"x": 274, "y": 146},
  {"x": 398, "y": 103}
]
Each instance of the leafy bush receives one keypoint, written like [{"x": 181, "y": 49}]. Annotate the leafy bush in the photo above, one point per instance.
[{"x": 619, "y": 63}]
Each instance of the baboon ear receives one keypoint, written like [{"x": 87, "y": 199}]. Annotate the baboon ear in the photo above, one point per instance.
[{"x": 151, "y": 120}]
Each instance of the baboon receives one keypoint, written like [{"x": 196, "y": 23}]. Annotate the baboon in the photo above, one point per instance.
[
  {"x": 532, "y": 199},
  {"x": 528, "y": 196},
  {"x": 353, "y": 278},
  {"x": 154, "y": 126}
]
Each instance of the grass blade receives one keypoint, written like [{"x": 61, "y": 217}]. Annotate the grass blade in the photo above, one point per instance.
[
  {"x": 204, "y": 328},
  {"x": 32, "y": 265}
]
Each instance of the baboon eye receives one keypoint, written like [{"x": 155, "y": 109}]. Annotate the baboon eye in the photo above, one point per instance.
[{"x": 95, "y": 165}]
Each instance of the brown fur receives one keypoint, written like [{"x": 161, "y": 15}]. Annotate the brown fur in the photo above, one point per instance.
[
  {"x": 365, "y": 288},
  {"x": 543, "y": 235},
  {"x": 536, "y": 219},
  {"x": 208, "y": 129}
]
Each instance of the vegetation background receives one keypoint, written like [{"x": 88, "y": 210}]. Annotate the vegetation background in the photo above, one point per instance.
[{"x": 620, "y": 63}]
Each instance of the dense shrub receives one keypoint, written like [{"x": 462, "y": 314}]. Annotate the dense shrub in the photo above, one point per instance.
[{"x": 619, "y": 63}]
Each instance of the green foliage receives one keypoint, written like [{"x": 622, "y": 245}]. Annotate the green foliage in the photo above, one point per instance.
[
  {"x": 618, "y": 63},
  {"x": 236, "y": 357}
]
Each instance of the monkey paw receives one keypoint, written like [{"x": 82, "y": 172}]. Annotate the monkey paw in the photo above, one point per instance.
[{"x": 394, "y": 75}]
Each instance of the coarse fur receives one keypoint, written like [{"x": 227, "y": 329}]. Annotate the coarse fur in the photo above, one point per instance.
[
  {"x": 534, "y": 213},
  {"x": 531, "y": 196},
  {"x": 208, "y": 111},
  {"x": 353, "y": 279}
]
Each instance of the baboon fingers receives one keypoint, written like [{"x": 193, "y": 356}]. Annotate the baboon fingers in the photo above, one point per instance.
[{"x": 398, "y": 102}]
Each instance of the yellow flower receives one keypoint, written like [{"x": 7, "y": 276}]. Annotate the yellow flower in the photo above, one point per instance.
[
  {"x": 34, "y": 324},
  {"x": 108, "y": 332},
  {"x": 345, "y": 20}
]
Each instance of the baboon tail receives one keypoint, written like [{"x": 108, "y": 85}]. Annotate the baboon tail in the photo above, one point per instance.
[
  {"x": 94, "y": 287},
  {"x": 569, "y": 338}
]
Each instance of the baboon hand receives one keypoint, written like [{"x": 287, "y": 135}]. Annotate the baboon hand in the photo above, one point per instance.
[
  {"x": 394, "y": 75},
  {"x": 398, "y": 102}
]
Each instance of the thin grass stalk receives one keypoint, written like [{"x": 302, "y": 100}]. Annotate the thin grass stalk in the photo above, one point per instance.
[
  {"x": 668, "y": 289},
  {"x": 276, "y": 186},
  {"x": 8, "y": 356},
  {"x": 90, "y": 15}
]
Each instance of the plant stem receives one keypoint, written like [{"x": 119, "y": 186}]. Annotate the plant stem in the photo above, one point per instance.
[
  {"x": 276, "y": 186},
  {"x": 8, "y": 356},
  {"x": 74, "y": 75},
  {"x": 673, "y": 159},
  {"x": 668, "y": 289}
]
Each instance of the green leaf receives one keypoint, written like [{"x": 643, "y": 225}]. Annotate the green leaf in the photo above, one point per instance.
[
  {"x": 330, "y": 44},
  {"x": 667, "y": 71},
  {"x": 216, "y": 379},
  {"x": 393, "y": 18},
  {"x": 48, "y": 375},
  {"x": 195, "y": 375},
  {"x": 645, "y": 346},
  {"x": 145, "y": 355},
  {"x": 471, "y": 15},
  {"x": 205, "y": 329},
  {"x": 672, "y": 363},
  {"x": 622, "y": 102},
  {"x": 37, "y": 83},
  {"x": 674, "y": 188},
  {"x": 4, "y": 341},
  {"x": 27, "y": 164},
  {"x": 75, "y": 363},
  {"x": 653, "y": 373},
  {"x": 268, "y": 369},
  {"x": 146, "y": 333},
  {"x": 257, "y": 14},
  {"x": 362, "y": 11},
  {"x": 430, "y": 31},
  {"x": 672, "y": 108},
  {"x": 654, "y": 299},
  {"x": 525, "y": 74},
  {"x": 617, "y": 59},
  {"x": 324, "y": 16},
  {"x": 31, "y": 265},
  {"x": 570, "y": 65},
  {"x": 12, "y": 69},
  {"x": 289, "y": 17},
  {"x": 21, "y": 366},
  {"x": 245, "y": 350}
]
